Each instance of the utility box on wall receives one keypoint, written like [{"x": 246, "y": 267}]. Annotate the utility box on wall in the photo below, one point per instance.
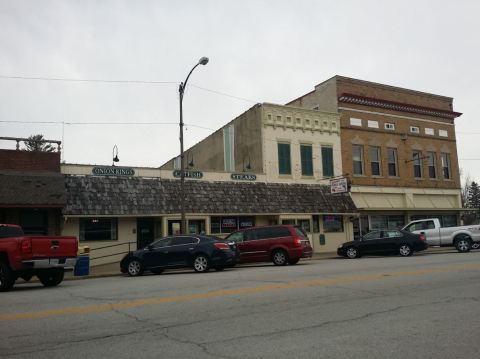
[{"x": 322, "y": 239}]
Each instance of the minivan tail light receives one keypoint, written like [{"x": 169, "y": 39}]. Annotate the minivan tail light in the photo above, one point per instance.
[
  {"x": 422, "y": 237},
  {"x": 26, "y": 246},
  {"x": 297, "y": 242},
  {"x": 222, "y": 246}
]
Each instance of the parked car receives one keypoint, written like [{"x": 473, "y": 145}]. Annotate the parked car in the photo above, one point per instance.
[
  {"x": 281, "y": 244},
  {"x": 388, "y": 241},
  {"x": 199, "y": 252},
  {"x": 46, "y": 257},
  {"x": 463, "y": 238}
]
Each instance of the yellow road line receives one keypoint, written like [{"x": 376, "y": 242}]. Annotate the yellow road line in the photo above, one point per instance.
[{"x": 229, "y": 292}]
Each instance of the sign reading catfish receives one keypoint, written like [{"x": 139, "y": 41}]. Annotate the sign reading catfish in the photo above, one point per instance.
[{"x": 339, "y": 185}]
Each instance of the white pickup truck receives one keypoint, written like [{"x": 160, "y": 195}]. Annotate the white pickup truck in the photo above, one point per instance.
[{"x": 463, "y": 238}]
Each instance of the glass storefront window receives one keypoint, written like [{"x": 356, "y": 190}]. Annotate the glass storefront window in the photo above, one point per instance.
[
  {"x": 332, "y": 223},
  {"x": 219, "y": 225},
  {"x": 383, "y": 222},
  {"x": 98, "y": 229},
  {"x": 305, "y": 224}
]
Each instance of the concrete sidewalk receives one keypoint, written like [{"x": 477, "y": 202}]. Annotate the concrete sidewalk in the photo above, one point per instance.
[{"x": 113, "y": 269}]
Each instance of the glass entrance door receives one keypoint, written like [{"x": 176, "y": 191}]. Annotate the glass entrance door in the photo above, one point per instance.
[{"x": 145, "y": 232}]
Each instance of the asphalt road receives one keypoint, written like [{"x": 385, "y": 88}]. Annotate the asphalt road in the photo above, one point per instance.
[{"x": 425, "y": 306}]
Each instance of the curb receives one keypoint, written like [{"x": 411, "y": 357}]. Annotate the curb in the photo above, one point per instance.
[{"x": 318, "y": 256}]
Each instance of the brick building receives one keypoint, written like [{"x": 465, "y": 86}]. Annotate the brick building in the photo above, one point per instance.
[
  {"x": 32, "y": 191},
  {"x": 398, "y": 150}
]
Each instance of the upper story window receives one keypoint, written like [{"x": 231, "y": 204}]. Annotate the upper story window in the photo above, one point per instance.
[
  {"x": 392, "y": 162},
  {"x": 432, "y": 167},
  {"x": 446, "y": 166},
  {"x": 372, "y": 124},
  {"x": 375, "y": 161},
  {"x": 355, "y": 121},
  {"x": 414, "y": 129},
  {"x": 443, "y": 133},
  {"x": 284, "y": 164},
  {"x": 357, "y": 158},
  {"x": 417, "y": 164},
  {"x": 429, "y": 131},
  {"x": 327, "y": 161},
  {"x": 306, "y": 159},
  {"x": 389, "y": 126}
]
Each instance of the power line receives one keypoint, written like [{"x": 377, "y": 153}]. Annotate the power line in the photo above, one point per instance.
[
  {"x": 105, "y": 123},
  {"x": 85, "y": 80},
  {"x": 62, "y": 79}
]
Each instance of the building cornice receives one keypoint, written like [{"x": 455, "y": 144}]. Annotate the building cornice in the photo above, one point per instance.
[{"x": 396, "y": 106}]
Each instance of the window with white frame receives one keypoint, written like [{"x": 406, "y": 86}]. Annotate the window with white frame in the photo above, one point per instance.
[
  {"x": 432, "y": 168},
  {"x": 446, "y": 166},
  {"x": 392, "y": 162},
  {"x": 375, "y": 162},
  {"x": 429, "y": 131},
  {"x": 443, "y": 133},
  {"x": 417, "y": 164},
  {"x": 414, "y": 129},
  {"x": 389, "y": 126},
  {"x": 357, "y": 158},
  {"x": 355, "y": 121},
  {"x": 372, "y": 124}
]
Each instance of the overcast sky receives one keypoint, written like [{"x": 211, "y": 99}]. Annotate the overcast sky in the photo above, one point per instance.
[{"x": 260, "y": 51}]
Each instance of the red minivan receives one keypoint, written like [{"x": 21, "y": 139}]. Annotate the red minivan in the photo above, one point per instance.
[{"x": 281, "y": 244}]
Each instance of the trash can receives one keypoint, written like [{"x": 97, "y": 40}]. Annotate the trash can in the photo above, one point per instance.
[{"x": 82, "y": 267}]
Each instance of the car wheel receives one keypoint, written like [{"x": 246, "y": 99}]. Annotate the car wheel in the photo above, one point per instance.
[
  {"x": 51, "y": 278},
  {"x": 6, "y": 277},
  {"x": 293, "y": 261},
  {"x": 352, "y": 253},
  {"x": 279, "y": 257},
  {"x": 463, "y": 244},
  {"x": 201, "y": 264},
  {"x": 134, "y": 267},
  {"x": 156, "y": 270},
  {"x": 405, "y": 250}
]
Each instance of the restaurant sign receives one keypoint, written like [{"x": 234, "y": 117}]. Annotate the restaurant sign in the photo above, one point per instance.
[
  {"x": 113, "y": 171},
  {"x": 243, "y": 177},
  {"x": 188, "y": 174},
  {"x": 339, "y": 185}
]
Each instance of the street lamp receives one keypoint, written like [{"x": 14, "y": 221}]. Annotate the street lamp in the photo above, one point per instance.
[
  {"x": 181, "y": 90},
  {"x": 115, "y": 155}
]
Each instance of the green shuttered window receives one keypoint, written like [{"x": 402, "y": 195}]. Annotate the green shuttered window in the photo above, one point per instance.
[
  {"x": 306, "y": 157},
  {"x": 284, "y": 165},
  {"x": 327, "y": 161}
]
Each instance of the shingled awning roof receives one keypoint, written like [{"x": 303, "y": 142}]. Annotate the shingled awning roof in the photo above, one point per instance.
[
  {"x": 31, "y": 189},
  {"x": 91, "y": 195}
]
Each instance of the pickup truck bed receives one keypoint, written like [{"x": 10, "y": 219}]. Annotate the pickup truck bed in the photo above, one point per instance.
[{"x": 26, "y": 256}]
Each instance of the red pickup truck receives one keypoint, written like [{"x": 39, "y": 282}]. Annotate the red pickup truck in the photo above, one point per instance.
[{"x": 24, "y": 256}]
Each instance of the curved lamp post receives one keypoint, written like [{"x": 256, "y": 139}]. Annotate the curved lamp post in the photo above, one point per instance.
[
  {"x": 181, "y": 90},
  {"x": 115, "y": 155}
]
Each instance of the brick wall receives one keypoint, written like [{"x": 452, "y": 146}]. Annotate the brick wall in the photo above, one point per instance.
[{"x": 29, "y": 161}]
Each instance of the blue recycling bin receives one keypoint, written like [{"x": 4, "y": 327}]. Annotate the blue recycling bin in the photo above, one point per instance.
[{"x": 82, "y": 267}]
